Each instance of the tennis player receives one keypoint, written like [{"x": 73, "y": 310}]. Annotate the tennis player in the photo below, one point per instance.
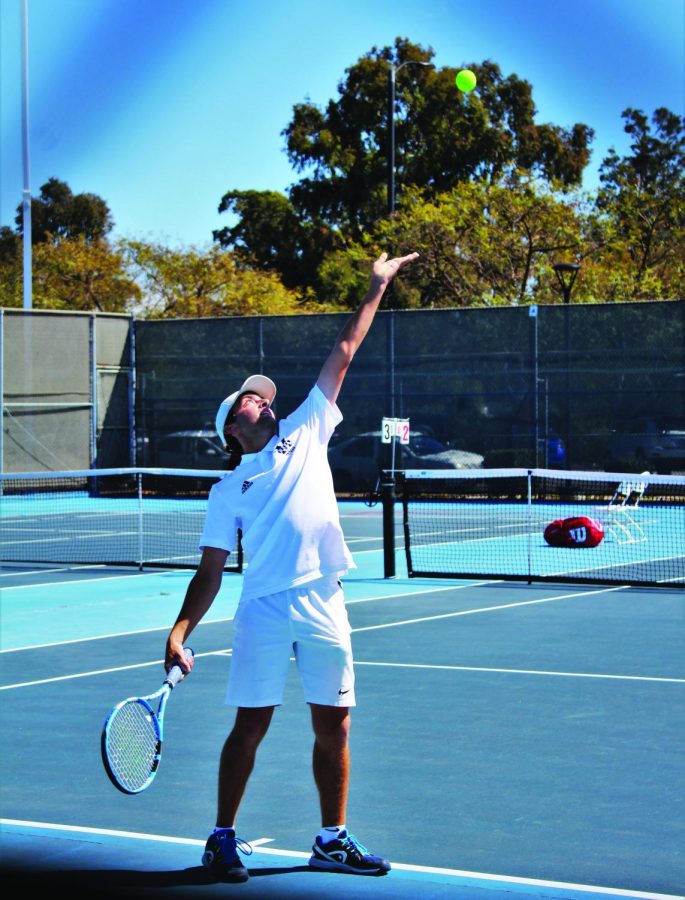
[{"x": 281, "y": 496}]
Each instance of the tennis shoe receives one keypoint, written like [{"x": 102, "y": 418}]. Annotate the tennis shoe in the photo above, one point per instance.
[
  {"x": 221, "y": 856},
  {"x": 346, "y": 854}
]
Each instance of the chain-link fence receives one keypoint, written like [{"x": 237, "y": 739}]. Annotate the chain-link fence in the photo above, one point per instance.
[{"x": 582, "y": 387}]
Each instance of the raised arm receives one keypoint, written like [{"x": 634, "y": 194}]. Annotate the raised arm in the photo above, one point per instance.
[{"x": 353, "y": 333}]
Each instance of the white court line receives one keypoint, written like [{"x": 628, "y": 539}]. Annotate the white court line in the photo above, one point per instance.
[
  {"x": 150, "y": 630},
  {"x": 520, "y": 672},
  {"x": 452, "y": 587},
  {"x": 473, "y": 612},
  {"x": 618, "y": 565},
  {"x": 23, "y": 587},
  {"x": 403, "y": 867},
  {"x": 104, "y": 637},
  {"x": 64, "y": 568},
  {"x": 154, "y": 662},
  {"x": 99, "y": 637}
]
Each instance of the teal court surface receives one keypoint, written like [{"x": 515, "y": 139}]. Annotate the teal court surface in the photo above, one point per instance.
[{"x": 510, "y": 739}]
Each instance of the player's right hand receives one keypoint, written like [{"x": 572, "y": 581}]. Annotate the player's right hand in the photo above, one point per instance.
[{"x": 174, "y": 656}]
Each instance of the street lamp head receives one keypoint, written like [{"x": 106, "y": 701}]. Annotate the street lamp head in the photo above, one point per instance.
[
  {"x": 566, "y": 275},
  {"x": 409, "y": 62}
]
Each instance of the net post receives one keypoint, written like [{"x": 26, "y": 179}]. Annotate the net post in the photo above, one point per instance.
[
  {"x": 388, "y": 501},
  {"x": 530, "y": 526},
  {"x": 139, "y": 479}
]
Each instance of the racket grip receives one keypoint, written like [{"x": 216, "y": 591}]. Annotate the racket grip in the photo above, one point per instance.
[{"x": 176, "y": 672}]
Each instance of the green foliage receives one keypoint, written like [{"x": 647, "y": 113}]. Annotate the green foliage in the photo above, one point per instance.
[
  {"x": 269, "y": 235},
  {"x": 480, "y": 243},
  {"x": 485, "y": 195},
  {"x": 643, "y": 199},
  {"x": 72, "y": 274},
  {"x": 442, "y": 137},
  {"x": 194, "y": 283},
  {"x": 58, "y": 213},
  {"x": 74, "y": 267}
]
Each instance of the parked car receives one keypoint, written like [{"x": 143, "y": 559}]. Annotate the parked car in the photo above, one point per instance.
[
  {"x": 357, "y": 461},
  {"x": 649, "y": 443},
  {"x": 190, "y": 450}
]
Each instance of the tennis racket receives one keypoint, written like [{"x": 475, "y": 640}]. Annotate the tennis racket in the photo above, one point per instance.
[{"x": 132, "y": 736}]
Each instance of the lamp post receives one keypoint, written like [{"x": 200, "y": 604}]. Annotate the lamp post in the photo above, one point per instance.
[
  {"x": 26, "y": 194},
  {"x": 391, "y": 116},
  {"x": 566, "y": 275},
  {"x": 388, "y": 477}
]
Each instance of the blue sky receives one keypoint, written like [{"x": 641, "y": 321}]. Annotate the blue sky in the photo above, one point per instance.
[{"x": 161, "y": 106}]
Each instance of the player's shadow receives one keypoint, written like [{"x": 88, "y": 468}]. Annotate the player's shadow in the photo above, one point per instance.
[{"x": 132, "y": 883}]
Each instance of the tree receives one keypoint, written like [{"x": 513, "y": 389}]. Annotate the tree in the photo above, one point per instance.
[
  {"x": 58, "y": 213},
  {"x": 480, "y": 244},
  {"x": 72, "y": 274},
  {"x": 194, "y": 283},
  {"x": 270, "y": 236},
  {"x": 443, "y": 138},
  {"x": 642, "y": 197},
  {"x": 10, "y": 245}
]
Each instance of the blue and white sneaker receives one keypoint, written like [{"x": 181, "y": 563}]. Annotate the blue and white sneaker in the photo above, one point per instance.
[
  {"x": 346, "y": 854},
  {"x": 221, "y": 856}
]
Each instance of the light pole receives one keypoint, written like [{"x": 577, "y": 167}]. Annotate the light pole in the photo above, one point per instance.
[
  {"x": 391, "y": 116},
  {"x": 566, "y": 275},
  {"x": 388, "y": 478},
  {"x": 26, "y": 194}
]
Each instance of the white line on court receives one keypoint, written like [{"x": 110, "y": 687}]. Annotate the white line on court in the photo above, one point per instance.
[
  {"x": 150, "y": 630},
  {"x": 484, "y": 609},
  {"x": 42, "y": 571},
  {"x": 43, "y": 584},
  {"x": 520, "y": 672},
  {"x": 619, "y": 565},
  {"x": 103, "y": 637},
  {"x": 144, "y": 665},
  {"x": 363, "y": 540},
  {"x": 452, "y": 587},
  {"x": 457, "y": 874}
]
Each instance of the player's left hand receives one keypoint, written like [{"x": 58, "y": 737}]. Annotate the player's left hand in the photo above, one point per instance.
[{"x": 384, "y": 269}]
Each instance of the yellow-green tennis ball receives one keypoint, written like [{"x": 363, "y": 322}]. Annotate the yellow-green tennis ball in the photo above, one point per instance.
[{"x": 465, "y": 80}]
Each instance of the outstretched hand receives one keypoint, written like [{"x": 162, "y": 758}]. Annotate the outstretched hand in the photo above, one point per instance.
[{"x": 384, "y": 269}]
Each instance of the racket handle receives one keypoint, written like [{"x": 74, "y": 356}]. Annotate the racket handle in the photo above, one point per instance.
[{"x": 176, "y": 672}]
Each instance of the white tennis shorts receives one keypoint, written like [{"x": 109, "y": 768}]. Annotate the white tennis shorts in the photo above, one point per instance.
[{"x": 309, "y": 622}]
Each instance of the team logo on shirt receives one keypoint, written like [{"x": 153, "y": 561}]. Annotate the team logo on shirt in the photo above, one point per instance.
[
  {"x": 246, "y": 485},
  {"x": 285, "y": 447}
]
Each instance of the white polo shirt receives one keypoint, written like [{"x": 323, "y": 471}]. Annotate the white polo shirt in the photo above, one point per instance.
[{"x": 283, "y": 500}]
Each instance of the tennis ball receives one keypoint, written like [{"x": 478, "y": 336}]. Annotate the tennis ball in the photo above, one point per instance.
[{"x": 465, "y": 80}]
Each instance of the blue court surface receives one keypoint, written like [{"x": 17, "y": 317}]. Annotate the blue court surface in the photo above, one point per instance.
[{"x": 509, "y": 739}]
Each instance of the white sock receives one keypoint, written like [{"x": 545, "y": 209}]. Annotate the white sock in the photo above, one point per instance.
[{"x": 330, "y": 833}]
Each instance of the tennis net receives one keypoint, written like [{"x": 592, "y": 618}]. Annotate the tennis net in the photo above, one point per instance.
[
  {"x": 140, "y": 517},
  {"x": 491, "y": 523}
]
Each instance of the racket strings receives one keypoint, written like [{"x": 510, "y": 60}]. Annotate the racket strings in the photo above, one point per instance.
[{"x": 133, "y": 745}]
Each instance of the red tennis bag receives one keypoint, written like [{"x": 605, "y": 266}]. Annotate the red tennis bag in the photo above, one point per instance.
[{"x": 576, "y": 531}]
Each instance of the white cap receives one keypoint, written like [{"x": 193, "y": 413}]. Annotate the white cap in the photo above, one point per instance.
[{"x": 256, "y": 384}]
